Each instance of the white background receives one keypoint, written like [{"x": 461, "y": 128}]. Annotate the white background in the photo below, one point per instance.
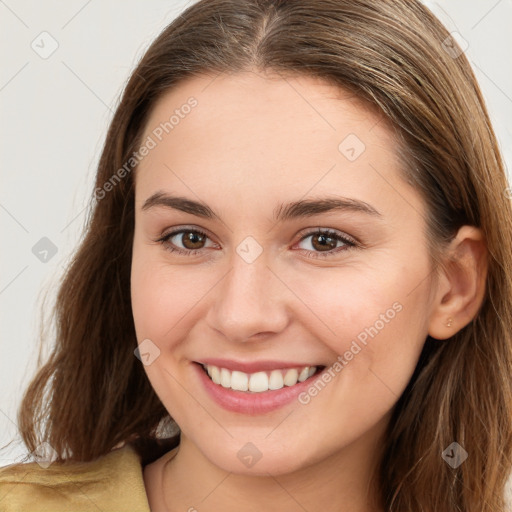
[{"x": 55, "y": 113}]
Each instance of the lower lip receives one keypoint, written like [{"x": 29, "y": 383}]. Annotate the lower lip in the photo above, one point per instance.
[{"x": 246, "y": 402}]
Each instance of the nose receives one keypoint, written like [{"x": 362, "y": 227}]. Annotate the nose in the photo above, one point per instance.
[{"x": 249, "y": 303}]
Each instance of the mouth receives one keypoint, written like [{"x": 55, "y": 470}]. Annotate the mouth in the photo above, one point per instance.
[{"x": 261, "y": 381}]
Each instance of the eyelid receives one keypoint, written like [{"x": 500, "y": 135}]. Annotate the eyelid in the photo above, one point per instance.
[
  {"x": 177, "y": 229},
  {"x": 311, "y": 231}
]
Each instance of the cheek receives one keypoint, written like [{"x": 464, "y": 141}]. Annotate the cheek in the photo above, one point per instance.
[
  {"x": 146, "y": 292},
  {"x": 154, "y": 293},
  {"x": 166, "y": 299},
  {"x": 344, "y": 302},
  {"x": 159, "y": 307},
  {"x": 377, "y": 336},
  {"x": 374, "y": 320}
]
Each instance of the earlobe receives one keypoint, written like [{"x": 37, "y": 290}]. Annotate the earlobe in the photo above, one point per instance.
[{"x": 462, "y": 288}]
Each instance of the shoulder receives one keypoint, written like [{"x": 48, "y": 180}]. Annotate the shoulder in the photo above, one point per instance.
[{"x": 111, "y": 482}]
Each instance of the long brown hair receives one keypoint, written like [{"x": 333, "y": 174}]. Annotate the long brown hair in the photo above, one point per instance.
[{"x": 93, "y": 393}]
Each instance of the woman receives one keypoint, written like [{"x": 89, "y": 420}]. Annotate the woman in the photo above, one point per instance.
[{"x": 298, "y": 258}]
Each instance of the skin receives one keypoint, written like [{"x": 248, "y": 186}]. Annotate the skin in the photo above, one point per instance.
[{"x": 252, "y": 142}]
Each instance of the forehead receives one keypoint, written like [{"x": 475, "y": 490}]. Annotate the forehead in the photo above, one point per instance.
[
  {"x": 255, "y": 100},
  {"x": 253, "y": 137}
]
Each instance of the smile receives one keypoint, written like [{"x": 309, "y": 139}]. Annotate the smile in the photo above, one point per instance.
[{"x": 259, "y": 382}]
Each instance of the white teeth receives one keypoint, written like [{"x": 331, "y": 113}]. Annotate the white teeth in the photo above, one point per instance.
[
  {"x": 260, "y": 381},
  {"x": 239, "y": 381},
  {"x": 291, "y": 377},
  {"x": 276, "y": 380},
  {"x": 225, "y": 378},
  {"x": 214, "y": 373},
  {"x": 304, "y": 374}
]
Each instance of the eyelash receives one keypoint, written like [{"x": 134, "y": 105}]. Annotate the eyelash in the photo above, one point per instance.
[{"x": 349, "y": 241}]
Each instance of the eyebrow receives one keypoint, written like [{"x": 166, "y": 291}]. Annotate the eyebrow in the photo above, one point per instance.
[{"x": 293, "y": 210}]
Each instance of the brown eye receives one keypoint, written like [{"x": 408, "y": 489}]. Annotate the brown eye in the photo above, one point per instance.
[
  {"x": 184, "y": 241},
  {"x": 324, "y": 243},
  {"x": 192, "y": 239}
]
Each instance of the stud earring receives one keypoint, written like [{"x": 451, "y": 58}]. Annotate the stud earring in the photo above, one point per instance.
[{"x": 449, "y": 323}]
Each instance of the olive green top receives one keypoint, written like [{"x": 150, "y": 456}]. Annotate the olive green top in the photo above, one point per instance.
[{"x": 113, "y": 482}]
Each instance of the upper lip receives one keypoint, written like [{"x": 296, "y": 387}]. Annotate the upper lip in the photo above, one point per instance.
[{"x": 253, "y": 366}]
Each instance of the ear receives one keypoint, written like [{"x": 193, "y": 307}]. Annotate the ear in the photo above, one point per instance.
[{"x": 461, "y": 285}]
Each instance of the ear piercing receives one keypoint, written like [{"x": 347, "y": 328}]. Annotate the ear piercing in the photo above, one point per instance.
[{"x": 450, "y": 321}]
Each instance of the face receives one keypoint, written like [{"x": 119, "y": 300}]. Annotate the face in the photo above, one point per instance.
[{"x": 254, "y": 281}]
